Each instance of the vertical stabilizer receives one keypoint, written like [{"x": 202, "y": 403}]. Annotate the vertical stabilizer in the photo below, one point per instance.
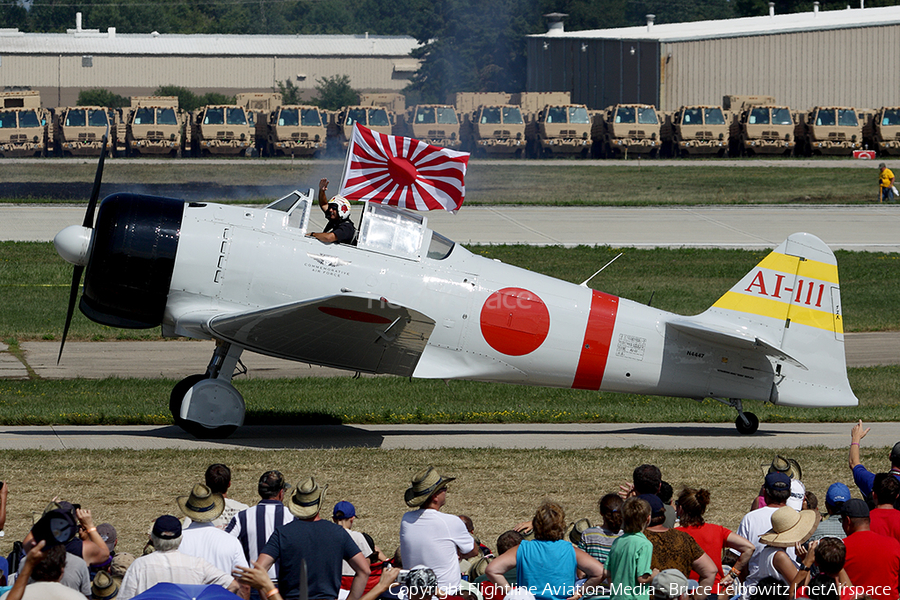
[{"x": 791, "y": 300}]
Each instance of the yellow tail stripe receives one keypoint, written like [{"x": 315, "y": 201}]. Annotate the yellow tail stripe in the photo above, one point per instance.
[
  {"x": 777, "y": 309},
  {"x": 809, "y": 268}
]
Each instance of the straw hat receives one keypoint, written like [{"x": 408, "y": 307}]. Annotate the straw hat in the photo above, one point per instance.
[
  {"x": 104, "y": 587},
  {"x": 790, "y": 527},
  {"x": 577, "y": 528},
  {"x": 307, "y": 499},
  {"x": 424, "y": 485},
  {"x": 202, "y": 505},
  {"x": 788, "y": 466}
]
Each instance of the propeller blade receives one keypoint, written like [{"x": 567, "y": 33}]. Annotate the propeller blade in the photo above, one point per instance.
[
  {"x": 95, "y": 193},
  {"x": 88, "y": 222},
  {"x": 73, "y": 295}
]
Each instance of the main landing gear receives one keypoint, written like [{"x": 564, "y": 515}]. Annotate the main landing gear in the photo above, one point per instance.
[
  {"x": 207, "y": 405},
  {"x": 747, "y": 423}
]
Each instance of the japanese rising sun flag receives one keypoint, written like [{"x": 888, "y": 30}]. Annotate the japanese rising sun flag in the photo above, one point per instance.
[{"x": 403, "y": 172}]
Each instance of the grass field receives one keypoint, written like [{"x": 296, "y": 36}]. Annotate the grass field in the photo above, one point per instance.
[
  {"x": 332, "y": 400},
  {"x": 35, "y": 281},
  {"x": 497, "y": 488},
  {"x": 551, "y": 183}
]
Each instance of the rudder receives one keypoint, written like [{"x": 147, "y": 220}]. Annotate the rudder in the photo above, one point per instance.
[{"x": 792, "y": 301}]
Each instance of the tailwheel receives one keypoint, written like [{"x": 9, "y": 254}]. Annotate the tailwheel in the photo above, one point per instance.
[
  {"x": 747, "y": 423},
  {"x": 206, "y": 408}
]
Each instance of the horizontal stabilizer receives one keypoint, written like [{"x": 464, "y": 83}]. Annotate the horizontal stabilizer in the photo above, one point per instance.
[{"x": 735, "y": 339}]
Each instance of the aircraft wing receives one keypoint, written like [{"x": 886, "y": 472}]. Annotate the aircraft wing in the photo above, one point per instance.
[
  {"x": 347, "y": 332},
  {"x": 734, "y": 339}
]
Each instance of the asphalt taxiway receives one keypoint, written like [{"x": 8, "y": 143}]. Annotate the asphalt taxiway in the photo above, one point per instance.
[
  {"x": 859, "y": 227},
  {"x": 567, "y": 436}
]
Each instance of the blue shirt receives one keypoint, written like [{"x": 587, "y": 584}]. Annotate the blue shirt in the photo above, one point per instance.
[
  {"x": 865, "y": 479},
  {"x": 547, "y": 569}
]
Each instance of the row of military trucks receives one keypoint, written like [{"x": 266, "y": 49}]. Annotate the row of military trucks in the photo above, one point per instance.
[
  {"x": 743, "y": 126},
  {"x": 529, "y": 124}
]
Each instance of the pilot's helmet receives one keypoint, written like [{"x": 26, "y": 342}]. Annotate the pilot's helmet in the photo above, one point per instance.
[{"x": 341, "y": 205}]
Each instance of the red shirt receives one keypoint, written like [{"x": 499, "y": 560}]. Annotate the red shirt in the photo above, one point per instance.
[
  {"x": 873, "y": 563},
  {"x": 885, "y": 521},
  {"x": 712, "y": 539}
]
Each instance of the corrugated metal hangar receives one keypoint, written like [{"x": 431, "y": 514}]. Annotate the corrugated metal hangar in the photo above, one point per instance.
[
  {"x": 846, "y": 58},
  {"x": 59, "y": 65}
]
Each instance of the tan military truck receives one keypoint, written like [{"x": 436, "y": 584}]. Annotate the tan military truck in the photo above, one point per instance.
[
  {"x": 296, "y": 130},
  {"x": 491, "y": 123},
  {"x": 26, "y": 129},
  {"x": 559, "y": 129},
  {"x": 882, "y": 132},
  {"x": 435, "y": 124},
  {"x": 393, "y": 102},
  {"x": 696, "y": 130},
  {"x": 155, "y": 125},
  {"x": 624, "y": 129},
  {"x": 223, "y": 129},
  {"x": 767, "y": 129},
  {"x": 340, "y": 125},
  {"x": 833, "y": 130},
  {"x": 261, "y": 105},
  {"x": 79, "y": 130}
]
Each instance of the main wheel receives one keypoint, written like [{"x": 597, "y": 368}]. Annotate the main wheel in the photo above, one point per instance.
[
  {"x": 750, "y": 426},
  {"x": 177, "y": 396},
  {"x": 216, "y": 408}
]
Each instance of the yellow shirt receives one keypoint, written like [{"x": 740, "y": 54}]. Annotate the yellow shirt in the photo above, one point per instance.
[{"x": 886, "y": 177}]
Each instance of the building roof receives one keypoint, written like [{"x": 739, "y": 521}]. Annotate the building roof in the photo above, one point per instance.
[
  {"x": 94, "y": 42},
  {"x": 746, "y": 26}
]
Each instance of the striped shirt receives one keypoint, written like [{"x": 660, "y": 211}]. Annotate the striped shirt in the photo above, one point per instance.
[
  {"x": 597, "y": 542},
  {"x": 253, "y": 527}
]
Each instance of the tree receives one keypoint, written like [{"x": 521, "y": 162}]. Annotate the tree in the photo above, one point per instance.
[
  {"x": 187, "y": 100},
  {"x": 101, "y": 97},
  {"x": 215, "y": 98},
  {"x": 335, "y": 92},
  {"x": 290, "y": 93}
]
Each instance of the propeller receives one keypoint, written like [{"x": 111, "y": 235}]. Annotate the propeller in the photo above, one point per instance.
[{"x": 88, "y": 223}]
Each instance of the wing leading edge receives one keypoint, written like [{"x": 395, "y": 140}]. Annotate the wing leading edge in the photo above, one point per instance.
[{"x": 350, "y": 332}]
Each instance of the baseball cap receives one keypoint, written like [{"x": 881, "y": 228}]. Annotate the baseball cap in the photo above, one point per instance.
[
  {"x": 656, "y": 505},
  {"x": 108, "y": 534},
  {"x": 837, "y": 492},
  {"x": 855, "y": 508},
  {"x": 895, "y": 454},
  {"x": 345, "y": 509},
  {"x": 669, "y": 583},
  {"x": 167, "y": 527},
  {"x": 777, "y": 481}
]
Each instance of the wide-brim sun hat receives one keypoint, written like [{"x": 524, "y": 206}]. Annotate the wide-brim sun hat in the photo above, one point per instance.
[
  {"x": 307, "y": 499},
  {"x": 203, "y": 505},
  {"x": 424, "y": 485},
  {"x": 104, "y": 587},
  {"x": 790, "y": 527},
  {"x": 788, "y": 466},
  {"x": 577, "y": 528}
]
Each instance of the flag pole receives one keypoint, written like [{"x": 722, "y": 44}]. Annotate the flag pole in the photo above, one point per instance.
[{"x": 346, "y": 171}]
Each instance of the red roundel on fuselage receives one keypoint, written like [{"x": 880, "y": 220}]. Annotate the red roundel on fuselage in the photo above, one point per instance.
[{"x": 514, "y": 321}]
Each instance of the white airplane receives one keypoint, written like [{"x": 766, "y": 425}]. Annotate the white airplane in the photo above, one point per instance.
[{"x": 408, "y": 301}]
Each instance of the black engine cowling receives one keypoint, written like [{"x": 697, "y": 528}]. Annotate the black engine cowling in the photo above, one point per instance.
[{"x": 131, "y": 261}]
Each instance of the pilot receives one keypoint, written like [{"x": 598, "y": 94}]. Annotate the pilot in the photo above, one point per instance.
[{"x": 340, "y": 229}]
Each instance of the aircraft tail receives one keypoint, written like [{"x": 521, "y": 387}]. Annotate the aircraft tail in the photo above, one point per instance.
[{"x": 790, "y": 306}]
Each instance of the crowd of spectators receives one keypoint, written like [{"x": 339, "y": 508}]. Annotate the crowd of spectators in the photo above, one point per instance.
[{"x": 653, "y": 542}]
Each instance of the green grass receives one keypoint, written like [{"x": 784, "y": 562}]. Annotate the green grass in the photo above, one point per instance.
[
  {"x": 558, "y": 183},
  {"x": 34, "y": 284},
  {"x": 399, "y": 400}
]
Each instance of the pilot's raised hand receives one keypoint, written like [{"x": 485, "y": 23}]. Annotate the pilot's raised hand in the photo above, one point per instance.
[{"x": 323, "y": 184}]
